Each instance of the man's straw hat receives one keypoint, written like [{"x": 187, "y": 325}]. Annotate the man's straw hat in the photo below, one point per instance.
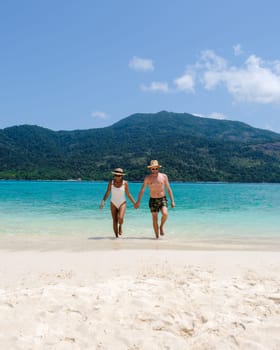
[{"x": 154, "y": 163}]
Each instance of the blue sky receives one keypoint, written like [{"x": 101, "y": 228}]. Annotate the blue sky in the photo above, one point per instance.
[{"x": 86, "y": 64}]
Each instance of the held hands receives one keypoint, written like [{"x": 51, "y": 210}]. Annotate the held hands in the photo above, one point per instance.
[
  {"x": 102, "y": 204},
  {"x": 137, "y": 205}
]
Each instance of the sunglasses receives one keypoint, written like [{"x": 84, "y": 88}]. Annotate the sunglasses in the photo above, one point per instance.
[
  {"x": 117, "y": 175},
  {"x": 154, "y": 168}
]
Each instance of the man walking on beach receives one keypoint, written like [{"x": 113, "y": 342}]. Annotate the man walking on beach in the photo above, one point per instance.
[{"x": 157, "y": 182}]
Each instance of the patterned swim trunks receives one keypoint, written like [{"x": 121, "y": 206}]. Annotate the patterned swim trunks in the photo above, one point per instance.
[{"x": 156, "y": 204}]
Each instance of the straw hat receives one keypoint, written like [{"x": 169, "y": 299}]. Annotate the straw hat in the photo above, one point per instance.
[
  {"x": 118, "y": 171},
  {"x": 154, "y": 163}
]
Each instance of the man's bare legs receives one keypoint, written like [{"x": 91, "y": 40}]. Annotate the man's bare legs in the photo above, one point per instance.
[
  {"x": 155, "y": 222},
  {"x": 117, "y": 216},
  {"x": 164, "y": 213},
  {"x": 164, "y": 216}
]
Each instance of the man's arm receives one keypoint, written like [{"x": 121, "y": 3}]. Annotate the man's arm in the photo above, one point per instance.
[
  {"x": 167, "y": 185},
  {"x": 140, "y": 195}
]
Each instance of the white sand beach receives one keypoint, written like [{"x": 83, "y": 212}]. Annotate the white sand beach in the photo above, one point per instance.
[{"x": 139, "y": 299}]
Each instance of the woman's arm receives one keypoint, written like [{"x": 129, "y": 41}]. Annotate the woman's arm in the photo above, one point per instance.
[
  {"x": 128, "y": 193},
  {"x": 106, "y": 195}
]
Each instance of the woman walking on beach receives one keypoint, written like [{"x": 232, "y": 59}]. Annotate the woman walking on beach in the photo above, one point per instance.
[{"x": 118, "y": 188}]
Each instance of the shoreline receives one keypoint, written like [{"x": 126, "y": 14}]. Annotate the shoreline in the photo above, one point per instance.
[{"x": 103, "y": 243}]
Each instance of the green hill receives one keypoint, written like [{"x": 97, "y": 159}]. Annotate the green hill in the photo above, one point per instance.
[{"x": 190, "y": 149}]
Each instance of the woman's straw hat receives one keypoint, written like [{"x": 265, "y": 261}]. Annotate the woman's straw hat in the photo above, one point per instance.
[
  {"x": 154, "y": 163},
  {"x": 118, "y": 171}
]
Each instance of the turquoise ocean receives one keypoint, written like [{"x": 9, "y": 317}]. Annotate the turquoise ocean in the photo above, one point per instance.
[{"x": 212, "y": 212}]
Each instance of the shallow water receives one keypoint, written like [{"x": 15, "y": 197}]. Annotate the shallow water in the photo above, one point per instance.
[{"x": 204, "y": 211}]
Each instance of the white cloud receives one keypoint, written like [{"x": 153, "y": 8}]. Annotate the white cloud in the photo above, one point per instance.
[
  {"x": 211, "y": 79},
  {"x": 156, "y": 86},
  {"x": 237, "y": 49},
  {"x": 99, "y": 115},
  {"x": 256, "y": 81},
  {"x": 276, "y": 66},
  {"x": 141, "y": 64},
  {"x": 213, "y": 115},
  {"x": 209, "y": 60},
  {"x": 217, "y": 115},
  {"x": 185, "y": 83}
]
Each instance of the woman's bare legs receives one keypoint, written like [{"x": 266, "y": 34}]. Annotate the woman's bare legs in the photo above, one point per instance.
[
  {"x": 114, "y": 212},
  {"x": 122, "y": 209},
  {"x": 118, "y": 217}
]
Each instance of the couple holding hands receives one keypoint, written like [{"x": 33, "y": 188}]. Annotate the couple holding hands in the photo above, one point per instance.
[{"x": 156, "y": 181}]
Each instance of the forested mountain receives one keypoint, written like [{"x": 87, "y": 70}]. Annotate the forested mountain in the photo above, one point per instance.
[{"x": 189, "y": 148}]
